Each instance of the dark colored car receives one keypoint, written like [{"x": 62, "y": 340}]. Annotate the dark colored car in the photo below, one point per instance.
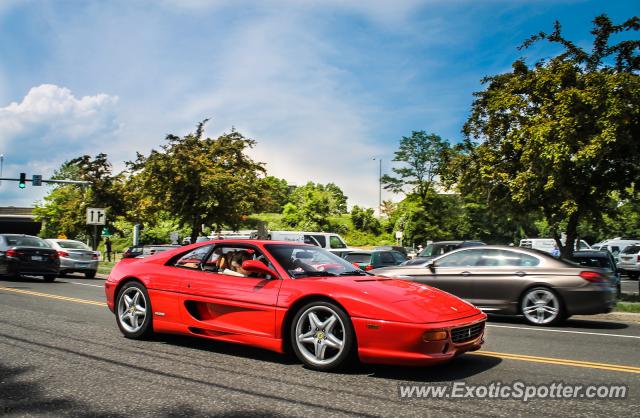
[
  {"x": 26, "y": 254},
  {"x": 369, "y": 260},
  {"x": 603, "y": 260},
  {"x": 436, "y": 249},
  {"x": 515, "y": 281},
  {"x": 397, "y": 248},
  {"x": 132, "y": 252}
]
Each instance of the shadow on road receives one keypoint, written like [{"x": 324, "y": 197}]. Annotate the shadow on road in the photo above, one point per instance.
[
  {"x": 569, "y": 323},
  {"x": 20, "y": 396}
]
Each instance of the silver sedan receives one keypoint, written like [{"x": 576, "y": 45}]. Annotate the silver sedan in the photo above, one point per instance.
[{"x": 75, "y": 256}]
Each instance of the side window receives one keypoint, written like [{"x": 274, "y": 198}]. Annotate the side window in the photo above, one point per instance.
[
  {"x": 398, "y": 257},
  {"x": 193, "y": 259},
  {"x": 465, "y": 258},
  {"x": 308, "y": 239},
  {"x": 615, "y": 250},
  {"x": 336, "y": 242},
  {"x": 322, "y": 240},
  {"x": 386, "y": 258},
  {"x": 228, "y": 260},
  {"x": 510, "y": 258}
]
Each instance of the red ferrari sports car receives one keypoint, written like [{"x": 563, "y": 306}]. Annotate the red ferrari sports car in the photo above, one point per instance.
[{"x": 281, "y": 295}]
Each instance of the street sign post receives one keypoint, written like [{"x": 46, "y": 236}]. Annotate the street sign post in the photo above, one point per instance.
[
  {"x": 36, "y": 180},
  {"x": 96, "y": 216}
]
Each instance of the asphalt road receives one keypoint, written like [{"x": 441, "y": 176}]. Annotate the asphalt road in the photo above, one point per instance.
[{"x": 62, "y": 354}]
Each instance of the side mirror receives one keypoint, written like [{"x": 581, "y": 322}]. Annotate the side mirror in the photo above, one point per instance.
[
  {"x": 255, "y": 266},
  {"x": 431, "y": 265}
]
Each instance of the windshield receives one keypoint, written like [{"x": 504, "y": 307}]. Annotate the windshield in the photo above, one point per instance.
[
  {"x": 358, "y": 258},
  {"x": 434, "y": 250},
  {"x": 73, "y": 245},
  {"x": 306, "y": 261},
  {"x": 26, "y": 241}
]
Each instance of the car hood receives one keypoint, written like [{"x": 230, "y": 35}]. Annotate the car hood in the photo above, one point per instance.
[{"x": 402, "y": 300}]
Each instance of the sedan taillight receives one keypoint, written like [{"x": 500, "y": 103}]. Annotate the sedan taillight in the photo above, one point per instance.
[
  {"x": 369, "y": 267},
  {"x": 94, "y": 256},
  {"x": 56, "y": 255},
  {"x": 638, "y": 259},
  {"x": 592, "y": 276},
  {"x": 12, "y": 253},
  {"x": 63, "y": 254}
]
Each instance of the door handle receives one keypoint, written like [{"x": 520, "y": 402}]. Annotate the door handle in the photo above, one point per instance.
[
  {"x": 465, "y": 273},
  {"x": 520, "y": 273}
]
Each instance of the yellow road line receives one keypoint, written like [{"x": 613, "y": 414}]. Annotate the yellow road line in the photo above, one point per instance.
[
  {"x": 50, "y": 296},
  {"x": 560, "y": 362},
  {"x": 508, "y": 356}
]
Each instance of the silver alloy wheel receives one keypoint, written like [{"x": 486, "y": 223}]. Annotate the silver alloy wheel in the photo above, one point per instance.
[
  {"x": 320, "y": 335},
  {"x": 540, "y": 306},
  {"x": 132, "y": 309}
]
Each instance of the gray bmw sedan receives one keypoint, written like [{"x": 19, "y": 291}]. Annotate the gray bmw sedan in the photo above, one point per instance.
[{"x": 515, "y": 281}]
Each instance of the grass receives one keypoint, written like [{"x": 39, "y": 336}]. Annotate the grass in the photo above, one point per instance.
[{"x": 633, "y": 307}]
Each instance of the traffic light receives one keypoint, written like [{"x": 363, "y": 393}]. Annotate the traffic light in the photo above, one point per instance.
[{"x": 23, "y": 181}]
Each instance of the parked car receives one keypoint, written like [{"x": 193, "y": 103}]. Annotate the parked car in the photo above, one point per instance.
[
  {"x": 75, "y": 256},
  {"x": 287, "y": 295},
  {"x": 27, "y": 255},
  {"x": 369, "y": 260},
  {"x": 330, "y": 241},
  {"x": 603, "y": 260},
  {"x": 397, "y": 248},
  {"x": 148, "y": 250},
  {"x": 615, "y": 246},
  {"x": 548, "y": 245},
  {"x": 514, "y": 281},
  {"x": 132, "y": 252},
  {"x": 436, "y": 249},
  {"x": 629, "y": 263}
]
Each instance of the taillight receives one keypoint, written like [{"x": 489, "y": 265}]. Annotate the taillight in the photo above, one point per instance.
[
  {"x": 55, "y": 256},
  {"x": 356, "y": 264},
  {"x": 94, "y": 256},
  {"x": 638, "y": 259},
  {"x": 369, "y": 267},
  {"x": 63, "y": 254},
  {"x": 12, "y": 253},
  {"x": 592, "y": 276}
]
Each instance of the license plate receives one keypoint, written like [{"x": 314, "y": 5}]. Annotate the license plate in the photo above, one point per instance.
[
  {"x": 37, "y": 258},
  {"x": 82, "y": 265}
]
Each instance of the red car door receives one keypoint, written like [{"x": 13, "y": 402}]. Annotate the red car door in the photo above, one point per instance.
[{"x": 224, "y": 303}]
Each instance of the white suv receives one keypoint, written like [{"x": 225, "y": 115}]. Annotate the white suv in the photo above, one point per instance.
[{"x": 630, "y": 261}]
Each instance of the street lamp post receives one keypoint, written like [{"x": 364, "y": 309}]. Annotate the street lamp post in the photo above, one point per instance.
[{"x": 379, "y": 186}]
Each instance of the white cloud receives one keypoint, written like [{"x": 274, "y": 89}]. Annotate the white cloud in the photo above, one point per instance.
[{"x": 50, "y": 125}]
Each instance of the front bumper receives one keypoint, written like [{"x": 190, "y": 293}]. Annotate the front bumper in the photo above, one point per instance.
[{"x": 397, "y": 343}]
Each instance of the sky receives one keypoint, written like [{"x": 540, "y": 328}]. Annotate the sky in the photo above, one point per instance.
[{"x": 323, "y": 86}]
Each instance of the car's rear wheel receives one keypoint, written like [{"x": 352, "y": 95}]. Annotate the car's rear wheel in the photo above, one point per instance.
[
  {"x": 49, "y": 278},
  {"x": 62, "y": 274},
  {"x": 90, "y": 274},
  {"x": 322, "y": 336},
  {"x": 133, "y": 311},
  {"x": 541, "y": 306}
]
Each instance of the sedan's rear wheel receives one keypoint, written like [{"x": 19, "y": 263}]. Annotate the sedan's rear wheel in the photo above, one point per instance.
[
  {"x": 133, "y": 311},
  {"x": 541, "y": 306},
  {"x": 322, "y": 336}
]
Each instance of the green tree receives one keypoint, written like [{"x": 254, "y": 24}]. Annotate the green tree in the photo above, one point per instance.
[
  {"x": 201, "y": 181},
  {"x": 364, "y": 220},
  {"x": 560, "y": 136},
  {"x": 274, "y": 194},
  {"x": 63, "y": 210},
  {"x": 421, "y": 156}
]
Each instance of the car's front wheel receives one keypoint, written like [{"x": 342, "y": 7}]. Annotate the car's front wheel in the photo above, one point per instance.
[
  {"x": 541, "y": 306},
  {"x": 322, "y": 336},
  {"x": 90, "y": 274},
  {"x": 133, "y": 311},
  {"x": 49, "y": 277}
]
